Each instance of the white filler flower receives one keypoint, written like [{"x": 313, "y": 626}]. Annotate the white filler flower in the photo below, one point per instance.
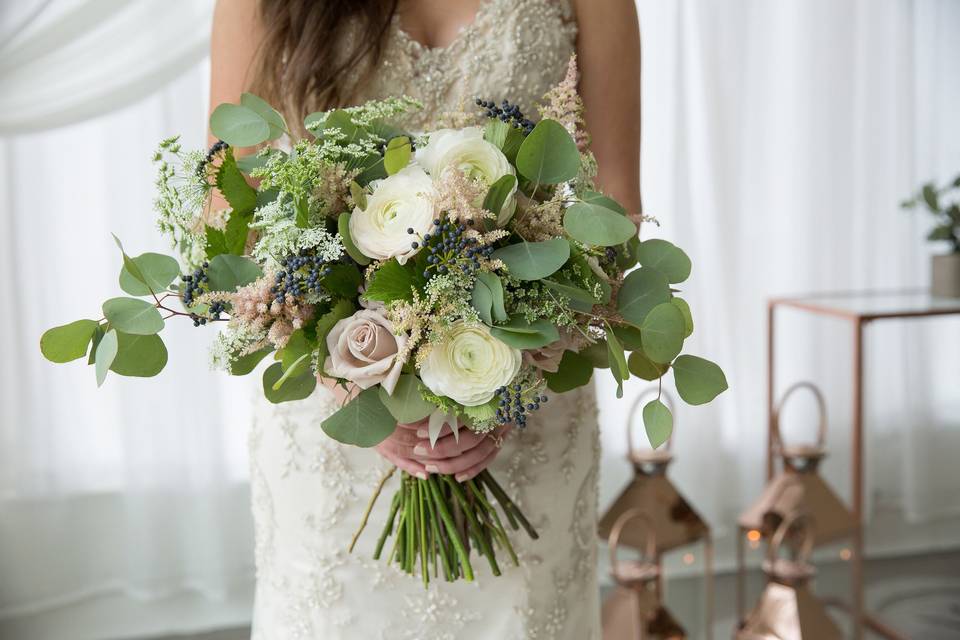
[
  {"x": 469, "y": 365},
  {"x": 399, "y": 203},
  {"x": 466, "y": 150}
]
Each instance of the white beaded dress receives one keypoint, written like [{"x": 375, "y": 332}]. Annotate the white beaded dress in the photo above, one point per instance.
[{"x": 309, "y": 492}]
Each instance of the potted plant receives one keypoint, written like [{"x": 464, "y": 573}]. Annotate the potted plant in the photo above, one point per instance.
[{"x": 944, "y": 205}]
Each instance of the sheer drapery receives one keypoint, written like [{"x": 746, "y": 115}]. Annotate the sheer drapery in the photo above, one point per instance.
[{"x": 779, "y": 139}]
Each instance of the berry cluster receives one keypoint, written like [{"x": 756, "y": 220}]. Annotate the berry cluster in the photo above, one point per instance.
[
  {"x": 216, "y": 148},
  {"x": 195, "y": 284},
  {"x": 506, "y": 112},
  {"x": 302, "y": 274},
  {"x": 512, "y": 408},
  {"x": 447, "y": 247}
]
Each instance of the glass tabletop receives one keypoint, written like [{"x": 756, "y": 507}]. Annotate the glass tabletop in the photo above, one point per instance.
[{"x": 874, "y": 304}]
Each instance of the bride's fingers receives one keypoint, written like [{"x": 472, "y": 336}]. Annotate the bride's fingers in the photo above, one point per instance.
[
  {"x": 458, "y": 464},
  {"x": 391, "y": 452},
  {"x": 448, "y": 446},
  {"x": 470, "y": 473}
]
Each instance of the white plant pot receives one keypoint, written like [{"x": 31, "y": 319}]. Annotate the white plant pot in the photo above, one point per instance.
[{"x": 945, "y": 276}]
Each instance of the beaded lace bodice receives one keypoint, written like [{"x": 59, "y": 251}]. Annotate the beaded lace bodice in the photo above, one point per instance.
[{"x": 309, "y": 492}]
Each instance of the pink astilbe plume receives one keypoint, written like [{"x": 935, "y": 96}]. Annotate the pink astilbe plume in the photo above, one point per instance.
[
  {"x": 255, "y": 306},
  {"x": 563, "y": 104}
]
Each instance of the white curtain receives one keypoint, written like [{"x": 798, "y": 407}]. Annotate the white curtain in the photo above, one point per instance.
[{"x": 779, "y": 138}]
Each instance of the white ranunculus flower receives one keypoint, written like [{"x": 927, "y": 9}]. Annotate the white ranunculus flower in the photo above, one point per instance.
[
  {"x": 399, "y": 202},
  {"x": 466, "y": 150},
  {"x": 469, "y": 365}
]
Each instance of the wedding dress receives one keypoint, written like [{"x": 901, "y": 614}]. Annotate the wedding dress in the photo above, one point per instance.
[{"x": 309, "y": 492}]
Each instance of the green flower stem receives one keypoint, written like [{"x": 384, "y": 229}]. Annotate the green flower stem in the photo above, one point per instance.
[
  {"x": 506, "y": 503},
  {"x": 370, "y": 503},
  {"x": 479, "y": 534},
  {"x": 388, "y": 528},
  {"x": 422, "y": 526},
  {"x": 451, "y": 527},
  {"x": 493, "y": 520},
  {"x": 397, "y": 550},
  {"x": 411, "y": 535},
  {"x": 438, "y": 539}
]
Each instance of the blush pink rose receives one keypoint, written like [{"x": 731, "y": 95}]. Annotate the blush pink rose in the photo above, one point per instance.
[{"x": 363, "y": 349}]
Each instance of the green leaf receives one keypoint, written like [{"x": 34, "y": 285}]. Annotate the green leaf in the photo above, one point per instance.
[
  {"x": 580, "y": 299},
  {"x": 681, "y": 304},
  {"x": 343, "y": 309},
  {"x": 397, "y": 154},
  {"x": 239, "y": 126},
  {"x": 497, "y": 196},
  {"x": 359, "y": 198},
  {"x": 698, "y": 380},
  {"x": 630, "y": 337},
  {"x": 270, "y": 115},
  {"x": 666, "y": 258},
  {"x": 128, "y": 263},
  {"x": 406, "y": 404},
  {"x": 106, "y": 352},
  {"x": 392, "y": 281},
  {"x": 520, "y": 334},
  {"x": 233, "y": 185},
  {"x": 534, "y": 260},
  {"x": 364, "y": 421},
  {"x": 598, "y": 354},
  {"x": 343, "y": 280},
  {"x": 296, "y": 388},
  {"x": 487, "y": 298},
  {"x": 662, "y": 333},
  {"x": 495, "y": 132},
  {"x": 617, "y": 360},
  {"x": 548, "y": 155},
  {"x": 597, "y": 198},
  {"x": 67, "y": 342},
  {"x": 132, "y": 315},
  {"x": 645, "y": 368},
  {"x": 642, "y": 290},
  {"x": 343, "y": 226},
  {"x": 340, "y": 119},
  {"x": 158, "y": 270},
  {"x": 481, "y": 412},
  {"x": 98, "y": 334},
  {"x": 943, "y": 232},
  {"x": 592, "y": 224},
  {"x": 245, "y": 364},
  {"x": 228, "y": 272},
  {"x": 139, "y": 356},
  {"x": 575, "y": 371},
  {"x": 658, "y": 422},
  {"x": 291, "y": 356},
  {"x": 216, "y": 242},
  {"x": 296, "y": 369},
  {"x": 627, "y": 253},
  {"x": 929, "y": 193}
]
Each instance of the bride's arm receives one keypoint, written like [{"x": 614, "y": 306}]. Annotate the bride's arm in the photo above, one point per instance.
[{"x": 608, "y": 51}]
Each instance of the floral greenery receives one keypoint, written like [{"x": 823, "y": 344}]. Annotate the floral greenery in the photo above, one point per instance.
[
  {"x": 944, "y": 205},
  {"x": 500, "y": 277}
]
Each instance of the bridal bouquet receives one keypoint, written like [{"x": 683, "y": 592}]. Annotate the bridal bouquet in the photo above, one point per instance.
[{"x": 457, "y": 276}]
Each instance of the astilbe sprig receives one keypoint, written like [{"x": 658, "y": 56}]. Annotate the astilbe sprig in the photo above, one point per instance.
[{"x": 255, "y": 307}]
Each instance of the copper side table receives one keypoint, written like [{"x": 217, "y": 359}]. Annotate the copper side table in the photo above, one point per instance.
[{"x": 859, "y": 309}]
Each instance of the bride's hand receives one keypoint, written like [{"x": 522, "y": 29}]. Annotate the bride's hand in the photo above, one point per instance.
[
  {"x": 398, "y": 448},
  {"x": 462, "y": 459}
]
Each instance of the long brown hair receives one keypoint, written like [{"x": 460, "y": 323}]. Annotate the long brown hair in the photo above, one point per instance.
[{"x": 308, "y": 47}]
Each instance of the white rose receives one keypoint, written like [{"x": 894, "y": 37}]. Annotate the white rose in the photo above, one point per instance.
[
  {"x": 469, "y": 365},
  {"x": 466, "y": 150},
  {"x": 400, "y": 202},
  {"x": 363, "y": 349}
]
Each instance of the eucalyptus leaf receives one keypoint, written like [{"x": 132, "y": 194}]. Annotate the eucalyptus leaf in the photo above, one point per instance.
[
  {"x": 343, "y": 226},
  {"x": 497, "y": 197},
  {"x": 595, "y": 225},
  {"x": 642, "y": 290},
  {"x": 597, "y": 198},
  {"x": 270, "y": 115},
  {"x": 630, "y": 337},
  {"x": 698, "y": 380},
  {"x": 291, "y": 356},
  {"x": 359, "y": 197},
  {"x": 132, "y": 315},
  {"x": 645, "y": 368},
  {"x": 67, "y": 342},
  {"x": 574, "y": 371},
  {"x": 520, "y": 334},
  {"x": 666, "y": 258},
  {"x": 397, "y": 154},
  {"x": 534, "y": 260},
  {"x": 617, "y": 360},
  {"x": 662, "y": 333},
  {"x": 296, "y": 369},
  {"x": 158, "y": 270},
  {"x": 681, "y": 304},
  {"x": 597, "y": 354},
  {"x": 580, "y": 299},
  {"x": 548, "y": 155},
  {"x": 658, "y": 422},
  {"x": 228, "y": 272},
  {"x": 295, "y": 388},
  {"x": 406, "y": 404},
  {"x": 239, "y": 126},
  {"x": 364, "y": 421},
  {"x": 487, "y": 298},
  {"x": 245, "y": 364},
  {"x": 139, "y": 356},
  {"x": 106, "y": 352}
]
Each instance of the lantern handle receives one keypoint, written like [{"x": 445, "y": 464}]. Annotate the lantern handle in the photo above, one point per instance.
[
  {"x": 806, "y": 523},
  {"x": 650, "y": 548},
  {"x": 821, "y": 408},
  {"x": 635, "y": 408}
]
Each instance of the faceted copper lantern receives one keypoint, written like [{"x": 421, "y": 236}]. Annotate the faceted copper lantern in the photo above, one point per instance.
[
  {"x": 798, "y": 490},
  {"x": 672, "y": 521},
  {"x": 787, "y": 610},
  {"x": 638, "y": 585}
]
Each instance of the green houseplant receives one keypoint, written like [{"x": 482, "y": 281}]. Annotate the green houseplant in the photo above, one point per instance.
[{"x": 943, "y": 203}]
